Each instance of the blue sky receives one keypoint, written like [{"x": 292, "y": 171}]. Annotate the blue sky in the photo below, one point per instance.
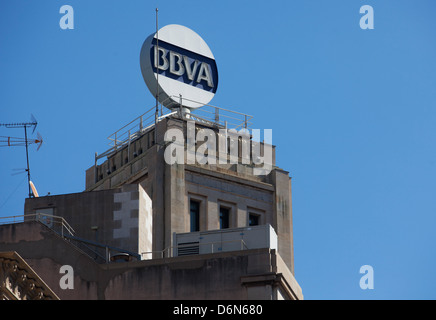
[{"x": 352, "y": 112}]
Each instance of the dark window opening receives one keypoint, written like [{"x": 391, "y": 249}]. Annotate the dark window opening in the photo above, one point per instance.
[
  {"x": 195, "y": 215},
  {"x": 253, "y": 219},
  {"x": 224, "y": 218}
]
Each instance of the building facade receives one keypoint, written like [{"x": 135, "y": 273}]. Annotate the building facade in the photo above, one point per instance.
[
  {"x": 135, "y": 203},
  {"x": 187, "y": 203}
]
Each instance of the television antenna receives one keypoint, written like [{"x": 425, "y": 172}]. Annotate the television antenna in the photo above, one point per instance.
[{"x": 13, "y": 141}]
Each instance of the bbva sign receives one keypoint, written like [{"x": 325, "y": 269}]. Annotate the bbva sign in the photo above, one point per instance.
[{"x": 177, "y": 63}]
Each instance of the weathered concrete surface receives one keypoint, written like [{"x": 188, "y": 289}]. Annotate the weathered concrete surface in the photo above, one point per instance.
[
  {"x": 249, "y": 274},
  {"x": 120, "y": 217}
]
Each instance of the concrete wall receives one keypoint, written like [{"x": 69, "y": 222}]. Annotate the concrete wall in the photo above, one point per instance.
[
  {"x": 119, "y": 217},
  {"x": 238, "y": 194},
  {"x": 126, "y": 164},
  {"x": 45, "y": 252},
  {"x": 133, "y": 219},
  {"x": 282, "y": 214},
  {"x": 250, "y": 274},
  {"x": 83, "y": 211}
]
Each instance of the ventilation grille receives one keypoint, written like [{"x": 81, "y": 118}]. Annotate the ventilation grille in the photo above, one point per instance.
[{"x": 188, "y": 248}]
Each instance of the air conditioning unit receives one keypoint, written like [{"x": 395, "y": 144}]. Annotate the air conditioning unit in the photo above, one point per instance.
[{"x": 224, "y": 240}]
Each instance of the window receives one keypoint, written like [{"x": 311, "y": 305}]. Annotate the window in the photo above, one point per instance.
[
  {"x": 224, "y": 217},
  {"x": 195, "y": 215},
  {"x": 253, "y": 219}
]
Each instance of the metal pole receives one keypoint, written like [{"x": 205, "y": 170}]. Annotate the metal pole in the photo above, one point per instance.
[
  {"x": 180, "y": 107},
  {"x": 157, "y": 65},
  {"x": 227, "y": 148},
  {"x": 27, "y": 157},
  {"x": 128, "y": 150},
  {"x": 217, "y": 116},
  {"x": 95, "y": 168},
  {"x": 156, "y": 116}
]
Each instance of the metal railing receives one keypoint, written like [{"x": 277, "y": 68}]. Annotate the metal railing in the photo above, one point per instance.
[
  {"x": 218, "y": 117},
  {"x": 170, "y": 252},
  {"x": 206, "y": 114},
  {"x": 61, "y": 227},
  {"x": 56, "y": 223},
  {"x": 106, "y": 252}
]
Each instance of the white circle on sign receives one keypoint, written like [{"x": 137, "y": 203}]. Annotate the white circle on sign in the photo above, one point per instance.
[{"x": 179, "y": 68}]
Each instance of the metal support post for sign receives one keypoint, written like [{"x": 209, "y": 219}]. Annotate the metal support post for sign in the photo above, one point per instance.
[
  {"x": 180, "y": 107},
  {"x": 115, "y": 142},
  {"x": 156, "y": 117},
  {"x": 128, "y": 148},
  {"x": 95, "y": 168},
  {"x": 217, "y": 115},
  {"x": 227, "y": 150}
]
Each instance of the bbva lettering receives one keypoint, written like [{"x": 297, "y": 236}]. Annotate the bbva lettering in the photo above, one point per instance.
[{"x": 178, "y": 64}]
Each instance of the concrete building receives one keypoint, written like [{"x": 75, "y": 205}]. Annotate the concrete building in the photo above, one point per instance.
[
  {"x": 136, "y": 207},
  {"x": 187, "y": 203}
]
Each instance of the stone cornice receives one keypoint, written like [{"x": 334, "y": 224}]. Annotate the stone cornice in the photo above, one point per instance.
[{"x": 18, "y": 281}]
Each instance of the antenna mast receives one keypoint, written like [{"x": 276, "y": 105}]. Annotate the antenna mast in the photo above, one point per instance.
[{"x": 19, "y": 141}]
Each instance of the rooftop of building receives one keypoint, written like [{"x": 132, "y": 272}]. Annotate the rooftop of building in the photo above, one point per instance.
[{"x": 233, "y": 275}]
